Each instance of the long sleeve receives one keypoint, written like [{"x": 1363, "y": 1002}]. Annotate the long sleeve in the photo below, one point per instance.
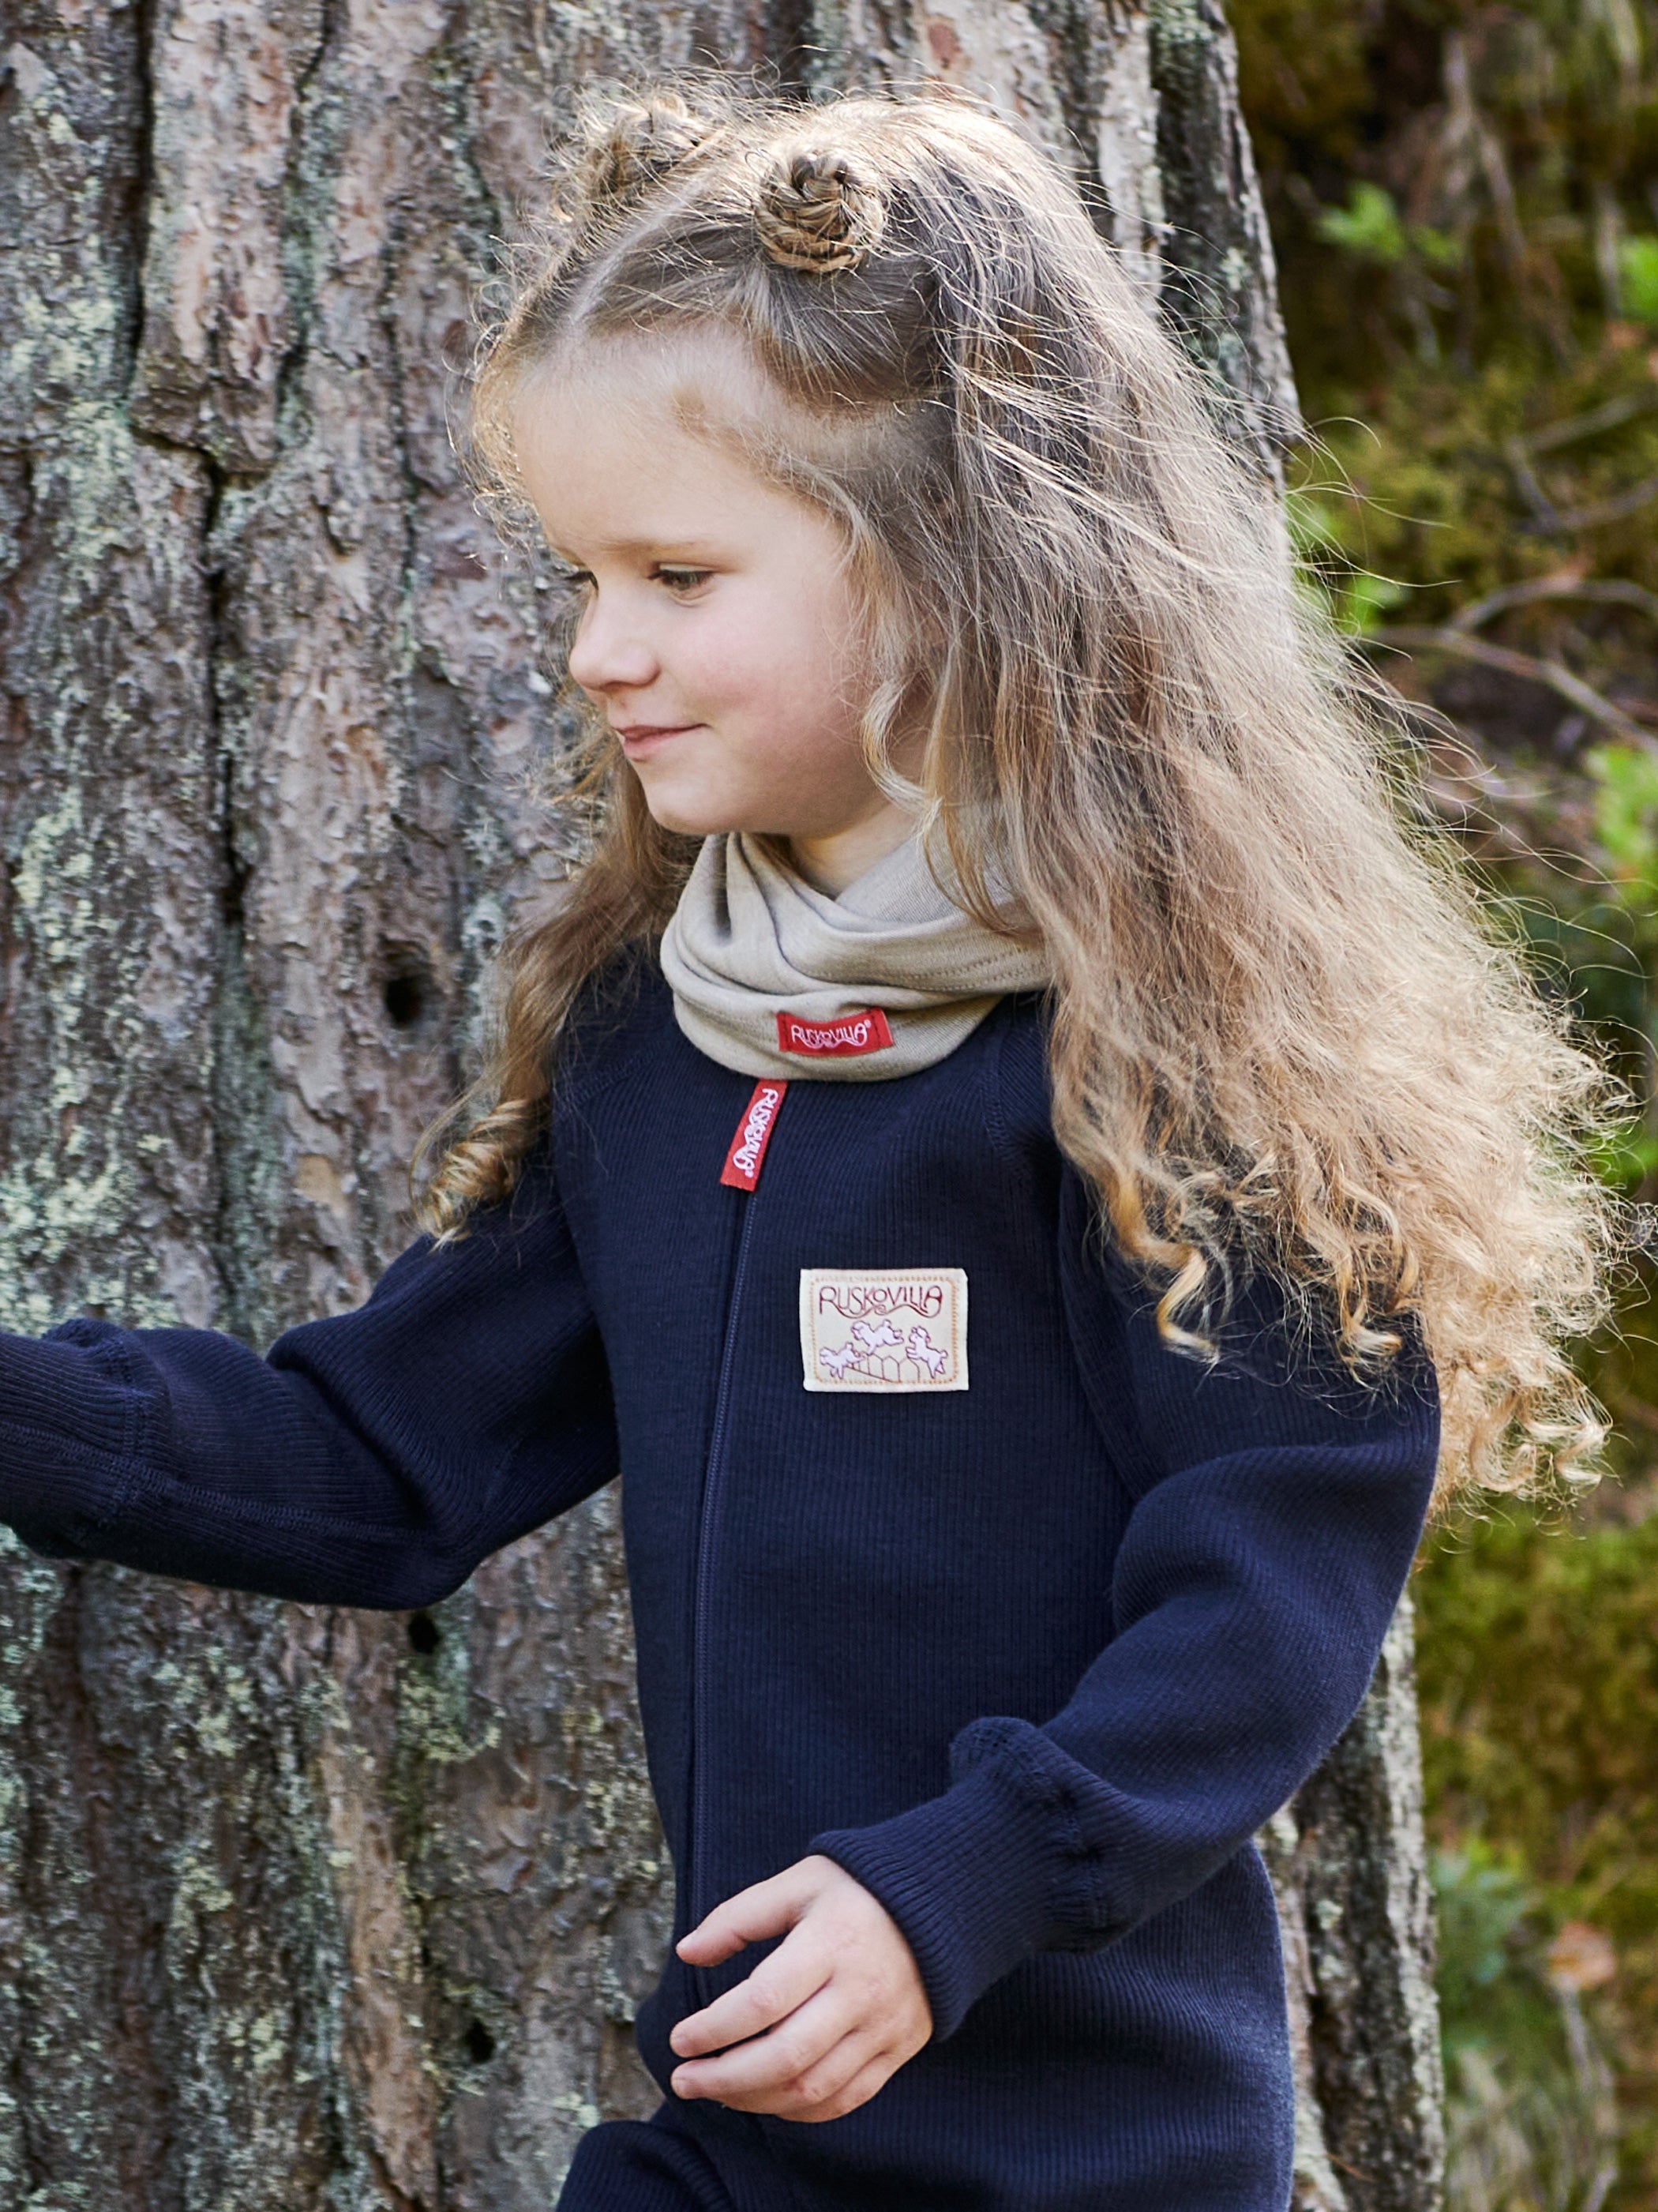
[
  {"x": 1276, "y": 1508},
  {"x": 370, "y": 1459}
]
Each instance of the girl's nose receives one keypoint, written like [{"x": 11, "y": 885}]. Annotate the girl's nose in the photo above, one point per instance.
[{"x": 609, "y": 653}]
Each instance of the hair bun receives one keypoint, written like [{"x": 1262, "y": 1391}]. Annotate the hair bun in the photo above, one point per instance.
[
  {"x": 632, "y": 143},
  {"x": 814, "y": 211}
]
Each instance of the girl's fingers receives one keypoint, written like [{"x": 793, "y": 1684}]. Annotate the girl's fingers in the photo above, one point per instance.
[
  {"x": 858, "y": 2091},
  {"x": 766, "y": 1908},
  {"x": 796, "y": 1971},
  {"x": 769, "y": 2062},
  {"x": 845, "y": 2077},
  {"x": 818, "y": 2092}
]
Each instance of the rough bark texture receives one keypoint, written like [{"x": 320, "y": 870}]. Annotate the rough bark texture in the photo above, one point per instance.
[
  {"x": 1357, "y": 1912},
  {"x": 300, "y": 1908}
]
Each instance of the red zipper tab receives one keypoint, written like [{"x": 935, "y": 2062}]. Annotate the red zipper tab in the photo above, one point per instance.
[
  {"x": 846, "y": 1036},
  {"x": 748, "y": 1153}
]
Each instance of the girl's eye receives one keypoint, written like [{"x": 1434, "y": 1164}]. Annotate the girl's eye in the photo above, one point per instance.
[{"x": 683, "y": 580}]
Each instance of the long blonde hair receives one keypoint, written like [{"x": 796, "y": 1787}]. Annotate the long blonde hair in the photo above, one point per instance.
[{"x": 1282, "y": 1029}]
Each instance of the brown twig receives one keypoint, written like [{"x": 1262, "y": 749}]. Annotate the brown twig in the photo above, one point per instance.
[
  {"x": 1608, "y": 417},
  {"x": 1525, "y": 665},
  {"x": 1523, "y": 448},
  {"x": 1525, "y": 476},
  {"x": 1607, "y": 591},
  {"x": 1617, "y": 508}
]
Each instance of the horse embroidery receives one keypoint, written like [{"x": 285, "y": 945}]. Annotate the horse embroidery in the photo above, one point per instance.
[
  {"x": 919, "y": 1347},
  {"x": 862, "y": 1356}
]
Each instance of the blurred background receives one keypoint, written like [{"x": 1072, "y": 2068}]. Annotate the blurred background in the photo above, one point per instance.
[{"x": 1464, "y": 202}]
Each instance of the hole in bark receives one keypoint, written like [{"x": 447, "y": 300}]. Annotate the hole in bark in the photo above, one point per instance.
[
  {"x": 480, "y": 2043},
  {"x": 424, "y": 1633},
  {"x": 406, "y": 997}
]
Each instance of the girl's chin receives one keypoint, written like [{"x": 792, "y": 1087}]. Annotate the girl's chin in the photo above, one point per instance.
[
  {"x": 688, "y": 820},
  {"x": 690, "y": 815}
]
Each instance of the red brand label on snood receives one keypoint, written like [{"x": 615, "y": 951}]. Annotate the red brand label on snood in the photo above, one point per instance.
[
  {"x": 748, "y": 1153},
  {"x": 846, "y": 1035}
]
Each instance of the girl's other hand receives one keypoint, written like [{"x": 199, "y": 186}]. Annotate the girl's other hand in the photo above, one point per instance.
[{"x": 821, "y": 2022}]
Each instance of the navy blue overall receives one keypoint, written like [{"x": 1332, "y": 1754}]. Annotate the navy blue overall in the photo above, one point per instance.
[{"x": 1032, "y": 1658}]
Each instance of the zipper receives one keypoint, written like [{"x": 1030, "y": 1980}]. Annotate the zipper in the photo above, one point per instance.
[{"x": 711, "y": 1480}]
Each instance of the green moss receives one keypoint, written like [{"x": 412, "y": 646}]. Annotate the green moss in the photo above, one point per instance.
[
  {"x": 1539, "y": 1674},
  {"x": 1540, "y": 1688}
]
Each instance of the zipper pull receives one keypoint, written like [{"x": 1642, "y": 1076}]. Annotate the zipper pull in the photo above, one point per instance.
[{"x": 747, "y": 1155}]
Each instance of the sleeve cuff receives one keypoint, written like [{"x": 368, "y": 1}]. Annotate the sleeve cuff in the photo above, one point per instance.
[
  {"x": 72, "y": 1432},
  {"x": 979, "y": 1879}
]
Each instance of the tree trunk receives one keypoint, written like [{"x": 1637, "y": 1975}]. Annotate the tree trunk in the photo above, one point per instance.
[{"x": 305, "y": 1908}]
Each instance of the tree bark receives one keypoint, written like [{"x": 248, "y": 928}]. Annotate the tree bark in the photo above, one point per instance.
[{"x": 308, "y": 1908}]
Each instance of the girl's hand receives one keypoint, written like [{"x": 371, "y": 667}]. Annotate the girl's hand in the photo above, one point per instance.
[{"x": 820, "y": 2024}]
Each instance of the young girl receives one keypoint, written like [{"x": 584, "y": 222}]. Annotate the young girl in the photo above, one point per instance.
[{"x": 1024, "y": 1162}]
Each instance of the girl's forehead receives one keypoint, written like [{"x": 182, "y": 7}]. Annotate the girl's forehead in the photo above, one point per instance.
[
  {"x": 622, "y": 444},
  {"x": 685, "y": 384}
]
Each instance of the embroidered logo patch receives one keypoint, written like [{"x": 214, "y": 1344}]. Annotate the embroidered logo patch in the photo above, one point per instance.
[
  {"x": 884, "y": 1329},
  {"x": 843, "y": 1038}
]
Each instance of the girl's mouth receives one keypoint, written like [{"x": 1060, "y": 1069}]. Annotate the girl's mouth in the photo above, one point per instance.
[{"x": 641, "y": 739}]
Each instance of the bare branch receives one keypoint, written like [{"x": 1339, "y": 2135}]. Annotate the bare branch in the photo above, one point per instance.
[
  {"x": 1625, "y": 409},
  {"x": 1522, "y": 449},
  {"x": 1615, "y": 509},
  {"x": 1526, "y": 665},
  {"x": 1607, "y": 591}
]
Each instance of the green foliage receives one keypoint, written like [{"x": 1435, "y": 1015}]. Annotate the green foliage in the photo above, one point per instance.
[
  {"x": 1531, "y": 2127},
  {"x": 1543, "y": 1641},
  {"x": 1367, "y": 226},
  {"x": 1370, "y": 227},
  {"x": 1538, "y": 1670},
  {"x": 1624, "y": 913},
  {"x": 1484, "y": 1898},
  {"x": 1626, "y": 820},
  {"x": 1419, "y": 482},
  {"x": 1464, "y": 202},
  {"x": 1638, "y": 268}
]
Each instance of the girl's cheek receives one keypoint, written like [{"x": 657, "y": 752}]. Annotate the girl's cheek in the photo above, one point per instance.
[
  {"x": 756, "y": 644},
  {"x": 711, "y": 654}
]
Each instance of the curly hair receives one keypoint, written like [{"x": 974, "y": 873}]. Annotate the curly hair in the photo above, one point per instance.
[{"x": 1285, "y": 1027}]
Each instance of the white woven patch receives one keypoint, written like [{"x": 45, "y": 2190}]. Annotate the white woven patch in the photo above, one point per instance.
[{"x": 884, "y": 1329}]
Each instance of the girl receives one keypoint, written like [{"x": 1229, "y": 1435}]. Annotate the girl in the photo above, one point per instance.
[{"x": 1022, "y": 1159}]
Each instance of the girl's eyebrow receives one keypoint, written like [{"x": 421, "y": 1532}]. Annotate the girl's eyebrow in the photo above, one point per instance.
[{"x": 642, "y": 546}]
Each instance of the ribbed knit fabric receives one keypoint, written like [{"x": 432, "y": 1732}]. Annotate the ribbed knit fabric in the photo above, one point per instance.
[
  {"x": 750, "y": 940},
  {"x": 1033, "y": 1659},
  {"x": 631, "y": 2166}
]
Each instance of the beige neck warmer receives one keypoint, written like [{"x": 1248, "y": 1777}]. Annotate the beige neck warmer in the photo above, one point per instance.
[{"x": 754, "y": 956}]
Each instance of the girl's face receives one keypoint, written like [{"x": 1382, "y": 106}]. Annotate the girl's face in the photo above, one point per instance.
[{"x": 718, "y": 633}]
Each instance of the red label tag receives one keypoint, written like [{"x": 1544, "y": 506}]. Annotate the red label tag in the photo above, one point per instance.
[
  {"x": 846, "y": 1036},
  {"x": 748, "y": 1153}
]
